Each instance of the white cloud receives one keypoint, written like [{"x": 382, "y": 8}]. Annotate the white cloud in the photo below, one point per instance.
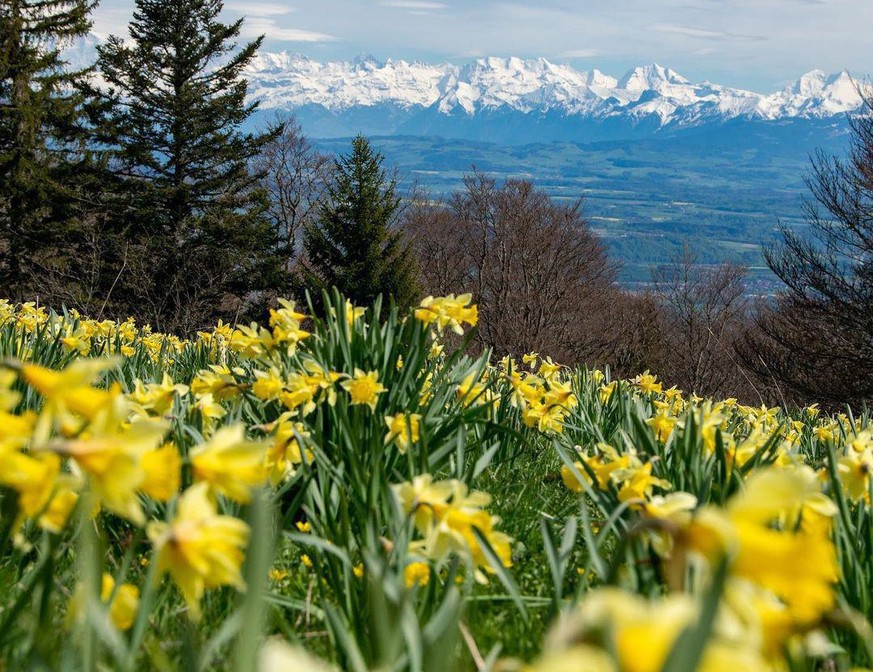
[
  {"x": 259, "y": 25},
  {"x": 580, "y": 53},
  {"x": 259, "y": 8},
  {"x": 413, "y": 4},
  {"x": 704, "y": 33}
]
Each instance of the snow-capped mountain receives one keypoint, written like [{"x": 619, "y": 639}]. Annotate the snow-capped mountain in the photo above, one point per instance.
[
  {"x": 514, "y": 100},
  {"x": 410, "y": 95}
]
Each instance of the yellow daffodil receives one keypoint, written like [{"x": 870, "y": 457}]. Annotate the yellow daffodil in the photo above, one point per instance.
[
  {"x": 474, "y": 390},
  {"x": 638, "y": 483},
  {"x": 162, "y": 468},
  {"x": 364, "y": 388},
  {"x": 446, "y": 515},
  {"x": 285, "y": 322},
  {"x": 111, "y": 454},
  {"x": 200, "y": 549},
  {"x": 855, "y": 470},
  {"x": 647, "y": 383},
  {"x": 759, "y": 533},
  {"x": 662, "y": 424},
  {"x": 403, "y": 430},
  {"x": 674, "y": 509},
  {"x": 284, "y": 453},
  {"x": 606, "y": 391},
  {"x": 217, "y": 381},
  {"x": 448, "y": 311},
  {"x": 158, "y": 397},
  {"x": 210, "y": 411},
  {"x": 68, "y": 394},
  {"x": 57, "y": 513},
  {"x": 268, "y": 385},
  {"x": 278, "y": 656},
  {"x": 123, "y": 602},
  {"x": 548, "y": 369},
  {"x": 33, "y": 477},
  {"x": 231, "y": 464}
]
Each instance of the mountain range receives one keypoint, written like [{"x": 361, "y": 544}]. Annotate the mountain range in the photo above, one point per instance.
[{"x": 516, "y": 100}]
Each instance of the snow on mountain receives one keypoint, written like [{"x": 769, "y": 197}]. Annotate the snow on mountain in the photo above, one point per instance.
[
  {"x": 288, "y": 81},
  {"x": 815, "y": 95},
  {"x": 81, "y": 53}
]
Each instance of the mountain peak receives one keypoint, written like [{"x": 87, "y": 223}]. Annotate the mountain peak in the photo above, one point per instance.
[
  {"x": 650, "y": 78},
  {"x": 809, "y": 84},
  {"x": 364, "y": 60}
]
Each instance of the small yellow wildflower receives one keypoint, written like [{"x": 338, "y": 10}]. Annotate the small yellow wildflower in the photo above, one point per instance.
[
  {"x": 279, "y": 575},
  {"x": 416, "y": 574}
]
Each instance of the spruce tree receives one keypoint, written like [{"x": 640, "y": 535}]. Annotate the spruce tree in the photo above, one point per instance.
[
  {"x": 354, "y": 245},
  {"x": 41, "y": 125},
  {"x": 199, "y": 243}
]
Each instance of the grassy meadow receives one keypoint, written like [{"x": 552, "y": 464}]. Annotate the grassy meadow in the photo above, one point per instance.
[{"x": 359, "y": 493}]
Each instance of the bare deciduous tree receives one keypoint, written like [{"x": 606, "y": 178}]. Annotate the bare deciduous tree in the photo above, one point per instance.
[
  {"x": 541, "y": 277},
  {"x": 295, "y": 176},
  {"x": 703, "y": 310},
  {"x": 815, "y": 342}
]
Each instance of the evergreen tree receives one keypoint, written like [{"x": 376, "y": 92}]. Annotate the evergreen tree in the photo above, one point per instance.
[
  {"x": 354, "y": 245},
  {"x": 41, "y": 129},
  {"x": 198, "y": 242}
]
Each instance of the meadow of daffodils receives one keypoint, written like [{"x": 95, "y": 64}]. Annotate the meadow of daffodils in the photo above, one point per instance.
[{"x": 357, "y": 493}]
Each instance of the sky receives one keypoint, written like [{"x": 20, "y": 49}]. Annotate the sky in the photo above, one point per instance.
[{"x": 755, "y": 44}]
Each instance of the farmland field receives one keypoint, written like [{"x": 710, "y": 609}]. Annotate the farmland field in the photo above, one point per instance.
[{"x": 723, "y": 193}]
